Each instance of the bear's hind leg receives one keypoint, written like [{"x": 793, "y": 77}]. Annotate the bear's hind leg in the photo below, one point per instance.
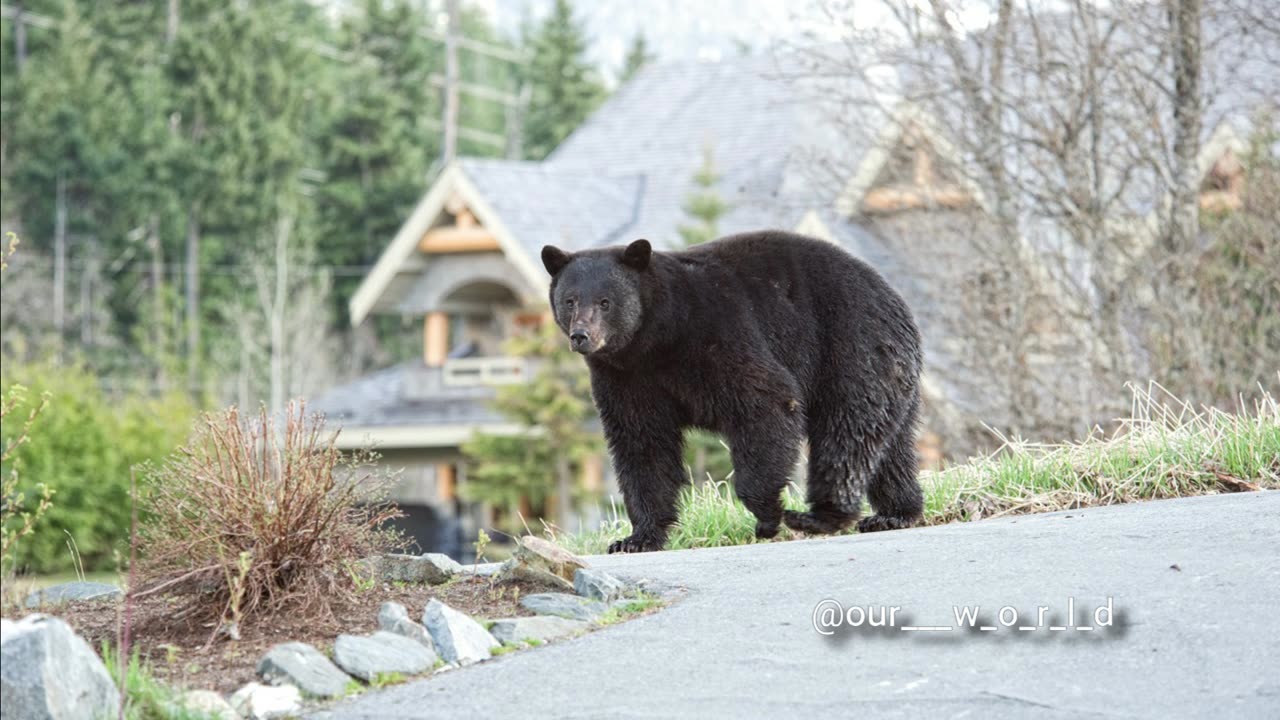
[
  {"x": 837, "y": 472},
  {"x": 894, "y": 490},
  {"x": 763, "y": 461}
]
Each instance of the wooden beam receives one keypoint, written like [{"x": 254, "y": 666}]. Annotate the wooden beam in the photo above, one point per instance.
[
  {"x": 455, "y": 239},
  {"x": 435, "y": 339},
  {"x": 1220, "y": 201},
  {"x": 897, "y": 198}
]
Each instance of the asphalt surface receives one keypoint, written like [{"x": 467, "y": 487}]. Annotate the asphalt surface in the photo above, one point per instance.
[{"x": 1195, "y": 627}]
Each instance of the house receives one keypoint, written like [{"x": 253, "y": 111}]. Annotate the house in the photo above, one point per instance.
[{"x": 466, "y": 263}]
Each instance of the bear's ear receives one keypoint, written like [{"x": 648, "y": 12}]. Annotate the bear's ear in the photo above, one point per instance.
[
  {"x": 637, "y": 254},
  {"x": 554, "y": 259}
]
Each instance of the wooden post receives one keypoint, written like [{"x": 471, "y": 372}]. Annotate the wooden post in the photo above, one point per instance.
[
  {"x": 435, "y": 339},
  {"x": 593, "y": 473},
  {"x": 446, "y": 482}
]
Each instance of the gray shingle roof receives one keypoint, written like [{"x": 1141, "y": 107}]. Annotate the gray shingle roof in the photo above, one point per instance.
[
  {"x": 404, "y": 394},
  {"x": 628, "y": 169}
]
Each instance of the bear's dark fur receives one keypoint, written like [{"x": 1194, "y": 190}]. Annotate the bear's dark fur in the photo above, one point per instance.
[{"x": 767, "y": 337}]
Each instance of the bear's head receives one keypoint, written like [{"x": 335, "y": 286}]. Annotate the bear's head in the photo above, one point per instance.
[{"x": 598, "y": 295}]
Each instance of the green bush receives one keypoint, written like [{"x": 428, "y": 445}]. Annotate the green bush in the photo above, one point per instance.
[{"x": 83, "y": 449}]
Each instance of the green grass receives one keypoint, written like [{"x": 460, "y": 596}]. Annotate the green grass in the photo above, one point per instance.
[
  {"x": 1165, "y": 449},
  {"x": 145, "y": 697},
  {"x": 633, "y": 606},
  {"x": 505, "y": 649},
  {"x": 382, "y": 680}
]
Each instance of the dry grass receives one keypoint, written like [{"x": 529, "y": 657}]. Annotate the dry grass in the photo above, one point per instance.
[
  {"x": 251, "y": 517},
  {"x": 1165, "y": 449}
]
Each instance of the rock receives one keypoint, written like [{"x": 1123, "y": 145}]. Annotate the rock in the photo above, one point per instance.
[
  {"x": 543, "y": 628},
  {"x": 515, "y": 569},
  {"x": 369, "y": 656},
  {"x": 393, "y": 618},
  {"x": 539, "y": 553},
  {"x": 482, "y": 569},
  {"x": 432, "y": 568},
  {"x": 305, "y": 667},
  {"x": 47, "y": 672},
  {"x": 598, "y": 585},
  {"x": 458, "y": 638},
  {"x": 206, "y": 704},
  {"x": 262, "y": 702},
  {"x": 73, "y": 592},
  {"x": 563, "y": 605}
]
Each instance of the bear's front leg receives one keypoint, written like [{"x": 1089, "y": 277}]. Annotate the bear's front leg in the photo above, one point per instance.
[{"x": 648, "y": 458}]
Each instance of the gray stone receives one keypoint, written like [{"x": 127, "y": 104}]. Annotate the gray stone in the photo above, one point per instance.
[
  {"x": 207, "y": 704},
  {"x": 598, "y": 585},
  {"x": 432, "y": 568},
  {"x": 563, "y": 605},
  {"x": 305, "y": 667},
  {"x": 458, "y": 638},
  {"x": 543, "y": 628},
  {"x": 482, "y": 569},
  {"x": 516, "y": 570},
  {"x": 534, "y": 552},
  {"x": 394, "y": 618},
  {"x": 381, "y": 653},
  {"x": 72, "y": 592},
  {"x": 47, "y": 672},
  {"x": 261, "y": 702}
]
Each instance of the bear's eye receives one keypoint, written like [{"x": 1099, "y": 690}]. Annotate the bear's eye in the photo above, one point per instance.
[
  {"x": 604, "y": 304},
  {"x": 570, "y": 302}
]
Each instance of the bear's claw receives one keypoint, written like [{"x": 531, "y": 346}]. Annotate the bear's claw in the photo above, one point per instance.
[
  {"x": 817, "y": 523},
  {"x": 634, "y": 544},
  {"x": 877, "y": 523}
]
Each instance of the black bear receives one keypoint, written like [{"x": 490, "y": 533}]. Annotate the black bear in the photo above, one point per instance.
[{"x": 766, "y": 337}]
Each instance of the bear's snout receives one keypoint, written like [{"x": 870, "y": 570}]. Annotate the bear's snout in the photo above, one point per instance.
[{"x": 580, "y": 341}]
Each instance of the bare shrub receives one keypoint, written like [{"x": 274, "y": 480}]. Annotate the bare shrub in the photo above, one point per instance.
[{"x": 251, "y": 517}]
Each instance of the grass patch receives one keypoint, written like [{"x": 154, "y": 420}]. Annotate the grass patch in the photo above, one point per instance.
[
  {"x": 382, "y": 680},
  {"x": 145, "y": 697},
  {"x": 629, "y": 608},
  {"x": 1165, "y": 449},
  {"x": 505, "y": 648}
]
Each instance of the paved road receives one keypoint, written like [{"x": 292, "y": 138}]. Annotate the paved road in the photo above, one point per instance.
[{"x": 1195, "y": 588}]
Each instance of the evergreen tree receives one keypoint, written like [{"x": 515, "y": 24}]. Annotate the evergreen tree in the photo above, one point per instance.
[
  {"x": 537, "y": 467},
  {"x": 704, "y": 206},
  {"x": 380, "y": 140},
  {"x": 638, "y": 56},
  {"x": 564, "y": 86},
  {"x": 705, "y": 453}
]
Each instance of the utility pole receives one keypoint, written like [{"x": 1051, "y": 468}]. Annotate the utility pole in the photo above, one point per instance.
[
  {"x": 515, "y": 123},
  {"x": 19, "y": 39},
  {"x": 88, "y": 285},
  {"x": 60, "y": 255},
  {"x": 171, "y": 27},
  {"x": 451, "y": 83},
  {"x": 192, "y": 291}
]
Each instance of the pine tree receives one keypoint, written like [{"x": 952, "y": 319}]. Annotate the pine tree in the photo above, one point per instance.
[
  {"x": 379, "y": 141},
  {"x": 638, "y": 56},
  {"x": 557, "y": 404},
  {"x": 704, "y": 206},
  {"x": 565, "y": 88},
  {"x": 704, "y": 451}
]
